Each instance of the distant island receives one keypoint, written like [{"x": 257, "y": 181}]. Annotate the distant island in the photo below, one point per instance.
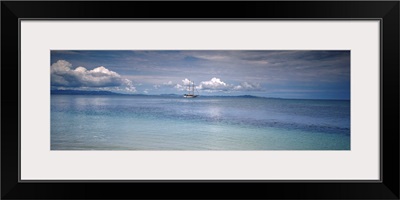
[
  {"x": 104, "y": 93},
  {"x": 83, "y": 92},
  {"x": 87, "y": 92}
]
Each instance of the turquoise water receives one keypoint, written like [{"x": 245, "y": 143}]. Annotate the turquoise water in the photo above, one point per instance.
[{"x": 113, "y": 122}]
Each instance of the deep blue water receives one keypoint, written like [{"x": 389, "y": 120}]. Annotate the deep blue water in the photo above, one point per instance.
[{"x": 94, "y": 122}]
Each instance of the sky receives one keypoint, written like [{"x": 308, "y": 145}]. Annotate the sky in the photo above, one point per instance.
[{"x": 279, "y": 74}]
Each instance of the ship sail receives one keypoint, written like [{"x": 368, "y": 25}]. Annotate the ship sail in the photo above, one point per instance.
[{"x": 190, "y": 91}]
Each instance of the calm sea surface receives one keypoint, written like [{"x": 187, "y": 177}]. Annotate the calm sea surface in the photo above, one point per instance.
[{"x": 94, "y": 122}]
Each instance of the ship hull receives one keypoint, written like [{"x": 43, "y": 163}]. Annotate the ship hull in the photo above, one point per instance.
[{"x": 190, "y": 96}]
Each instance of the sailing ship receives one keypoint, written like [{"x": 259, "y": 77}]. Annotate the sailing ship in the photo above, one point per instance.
[{"x": 191, "y": 91}]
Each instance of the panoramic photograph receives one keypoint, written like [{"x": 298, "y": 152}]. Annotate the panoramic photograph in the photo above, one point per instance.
[{"x": 200, "y": 100}]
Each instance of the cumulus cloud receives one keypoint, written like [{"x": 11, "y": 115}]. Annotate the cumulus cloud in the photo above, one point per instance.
[
  {"x": 246, "y": 86},
  {"x": 169, "y": 83},
  {"x": 186, "y": 81},
  {"x": 214, "y": 84},
  {"x": 63, "y": 75},
  {"x": 178, "y": 86}
]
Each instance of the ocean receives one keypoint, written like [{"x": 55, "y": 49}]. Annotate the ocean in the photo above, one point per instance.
[{"x": 123, "y": 122}]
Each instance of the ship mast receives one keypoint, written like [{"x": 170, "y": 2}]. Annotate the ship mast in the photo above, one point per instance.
[
  {"x": 190, "y": 90},
  {"x": 193, "y": 88},
  {"x": 189, "y": 87}
]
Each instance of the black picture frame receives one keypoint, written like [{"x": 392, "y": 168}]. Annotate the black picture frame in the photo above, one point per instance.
[{"x": 386, "y": 11}]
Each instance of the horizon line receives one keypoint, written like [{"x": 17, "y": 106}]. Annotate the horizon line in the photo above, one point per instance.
[{"x": 174, "y": 94}]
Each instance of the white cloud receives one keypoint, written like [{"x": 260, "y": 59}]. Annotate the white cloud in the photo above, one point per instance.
[
  {"x": 246, "y": 86},
  {"x": 214, "y": 84},
  {"x": 63, "y": 75},
  {"x": 184, "y": 86},
  {"x": 186, "y": 81},
  {"x": 169, "y": 83},
  {"x": 179, "y": 87},
  {"x": 217, "y": 85}
]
